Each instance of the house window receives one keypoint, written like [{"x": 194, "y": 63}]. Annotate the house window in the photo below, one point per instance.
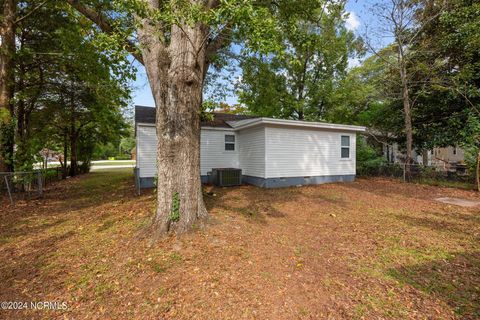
[
  {"x": 229, "y": 142},
  {"x": 345, "y": 147}
]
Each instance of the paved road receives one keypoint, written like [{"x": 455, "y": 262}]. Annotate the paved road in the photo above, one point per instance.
[{"x": 120, "y": 166}]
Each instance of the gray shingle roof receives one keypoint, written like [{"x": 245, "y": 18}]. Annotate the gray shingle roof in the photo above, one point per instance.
[{"x": 144, "y": 114}]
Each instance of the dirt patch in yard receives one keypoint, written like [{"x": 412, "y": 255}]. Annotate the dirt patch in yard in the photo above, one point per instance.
[{"x": 369, "y": 249}]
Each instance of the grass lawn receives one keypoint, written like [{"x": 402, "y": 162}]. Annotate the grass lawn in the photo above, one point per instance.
[{"x": 372, "y": 249}]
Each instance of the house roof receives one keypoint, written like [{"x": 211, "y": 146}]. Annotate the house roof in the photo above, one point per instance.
[
  {"x": 236, "y": 121},
  {"x": 147, "y": 115},
  {"x": 144, "y": 114}
]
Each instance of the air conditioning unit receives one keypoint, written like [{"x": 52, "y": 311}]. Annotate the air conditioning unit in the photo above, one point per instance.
[{"x": 226, "y": 177}]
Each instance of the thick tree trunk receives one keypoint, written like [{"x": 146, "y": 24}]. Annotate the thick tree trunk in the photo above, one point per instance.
[
  {"x": 176, "y": 78},
  {"x": 7, "y": 51}
]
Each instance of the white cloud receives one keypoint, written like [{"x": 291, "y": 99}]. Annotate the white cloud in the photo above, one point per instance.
[{"x": 353, "y": 22}]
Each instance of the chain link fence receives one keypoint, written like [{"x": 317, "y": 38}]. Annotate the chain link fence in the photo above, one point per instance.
[
  {"x": 417, "y": 172},
  {"x": 27, "y": 185}
]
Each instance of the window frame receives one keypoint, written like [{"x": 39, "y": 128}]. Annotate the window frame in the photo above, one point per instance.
[
  {"x": 347, "y": 147},
  {"x": 230, "y": 143}
]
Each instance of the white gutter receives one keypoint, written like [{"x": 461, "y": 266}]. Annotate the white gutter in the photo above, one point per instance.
[{"x": 243, "y": 124}]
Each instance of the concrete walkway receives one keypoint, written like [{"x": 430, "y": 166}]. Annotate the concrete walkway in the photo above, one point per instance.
[
  {"x": 459, "y": 202},
  {"x": 120, "y": 166}
]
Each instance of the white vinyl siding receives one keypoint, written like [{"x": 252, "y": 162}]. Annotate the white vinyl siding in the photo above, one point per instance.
[
  {"x": 146, "y": 151},
  {"x": 213, "y": 153},
  {"x": 295, "y": 152},
  {"x": 251, "y": 146},
  {"x": 261, "y": 151}
]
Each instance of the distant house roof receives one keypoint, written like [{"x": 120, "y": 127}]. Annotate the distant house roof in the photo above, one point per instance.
[{"x": 147, "y": 115}]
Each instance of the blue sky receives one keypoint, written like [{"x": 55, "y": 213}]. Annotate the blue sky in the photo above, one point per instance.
[{"x": 360, "y": 16}]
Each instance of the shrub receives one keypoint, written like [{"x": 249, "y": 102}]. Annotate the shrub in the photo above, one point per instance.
[
  {"x": 122, "y": 157},
  {"x": 369, "y": 161},
  {"x": 84, "y": 167}
]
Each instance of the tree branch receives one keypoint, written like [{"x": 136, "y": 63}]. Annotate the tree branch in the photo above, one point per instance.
[
  {"x": 31, "y": 11},
  {"x": 219, "y": 42},
  {"x": 104, "y": 24}
]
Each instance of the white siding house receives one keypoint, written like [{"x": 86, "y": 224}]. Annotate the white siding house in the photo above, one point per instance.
[
  {"x": 252, "y": 151},
  {"x": 270, "y": 152}
]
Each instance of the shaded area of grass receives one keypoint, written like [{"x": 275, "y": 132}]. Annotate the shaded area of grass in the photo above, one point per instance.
[
  {"x": 446, "y": 183},
  {"x": 454, "y": 279}
]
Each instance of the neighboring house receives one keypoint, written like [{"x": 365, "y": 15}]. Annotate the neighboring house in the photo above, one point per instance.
[
  {"x": 447, "y": 158},
  {"x": 51, "y": 155},
  {"x": 270, "y": 152},
  {"x": 443, "y": 159}
]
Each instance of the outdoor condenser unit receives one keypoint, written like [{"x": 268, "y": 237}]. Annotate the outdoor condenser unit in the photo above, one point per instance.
[{"x": 226, "y": 177}]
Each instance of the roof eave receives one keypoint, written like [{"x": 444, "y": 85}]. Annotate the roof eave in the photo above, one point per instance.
[{"x": 237, "y": 125}]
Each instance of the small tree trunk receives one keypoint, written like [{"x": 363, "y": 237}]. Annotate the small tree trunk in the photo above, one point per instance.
[
  {"x": 478, "y": 171},
  {"x": 425, "y": 157},
  {"x": 176, "y": 79},
  {"x": 73, "y": 155},
  {"x": 65, "y": 154},
  {"x": 7, "y": 80},
  {"x": 406, "y": 111},
  {"x": 73, "y": 136}
]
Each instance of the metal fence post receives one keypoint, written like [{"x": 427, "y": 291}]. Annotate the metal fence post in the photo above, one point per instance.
[
  {"x": 136, "y": 173},
  {"x": 40, "y": 183},
  {"x": 8, "y": 189}
]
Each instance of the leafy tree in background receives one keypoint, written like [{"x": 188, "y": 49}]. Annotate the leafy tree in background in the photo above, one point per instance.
[
  {"x": 57, "y": 66},
  {"x": 304, "y": 81},
  {"x": 403, "y": 21},
  {"x": 369, "y": 92},
  {"x": 447, "y": 55}
]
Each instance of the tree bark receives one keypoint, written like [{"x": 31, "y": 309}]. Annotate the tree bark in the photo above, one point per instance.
[
  {"x": 176, "y": 78},
  {"x": 7, "y": 80}
]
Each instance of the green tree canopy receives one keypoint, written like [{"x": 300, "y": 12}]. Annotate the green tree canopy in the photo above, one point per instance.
[{"x": 304, "y": 79}]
